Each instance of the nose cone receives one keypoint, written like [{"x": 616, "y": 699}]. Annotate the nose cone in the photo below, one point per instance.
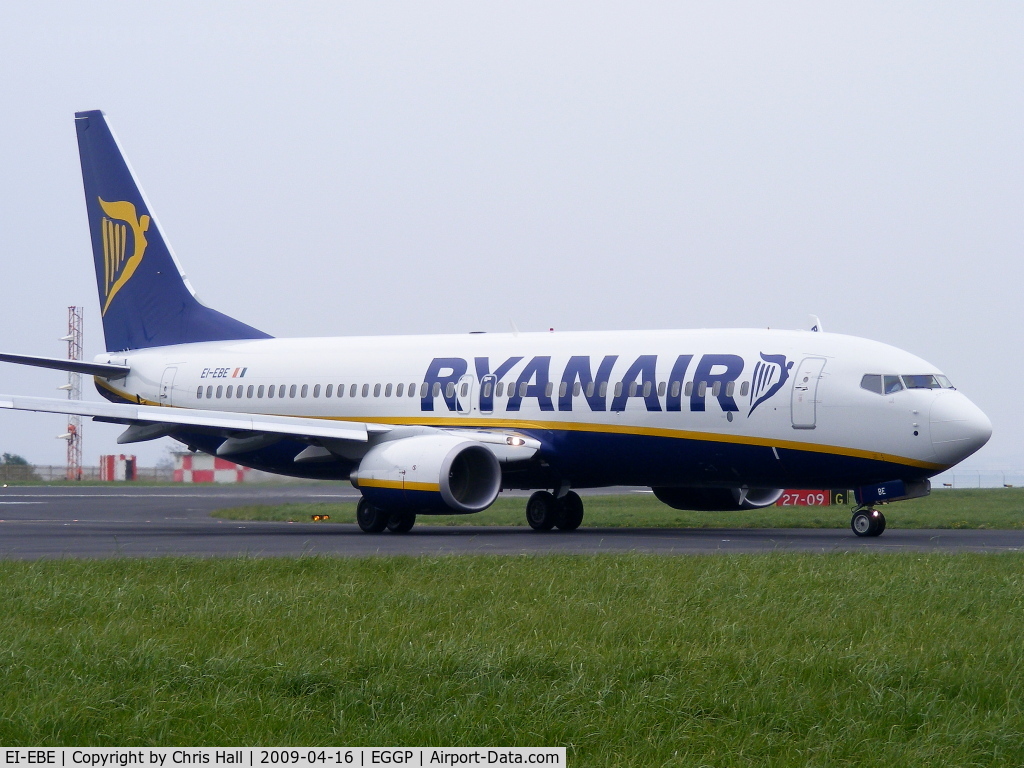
[{"x": 958, "y": 427}]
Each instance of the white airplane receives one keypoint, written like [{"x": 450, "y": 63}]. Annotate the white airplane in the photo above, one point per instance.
[{"x": 709, "y": 419}]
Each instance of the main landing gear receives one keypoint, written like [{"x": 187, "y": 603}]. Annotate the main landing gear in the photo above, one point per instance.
[
  {"x": 867, "y": 522},
  {"x": 544, "y": 511},
  {"x": 374, "y": 520}
]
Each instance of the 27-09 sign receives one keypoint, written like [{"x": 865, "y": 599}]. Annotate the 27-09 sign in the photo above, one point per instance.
[{"x": 805, "y": 498}]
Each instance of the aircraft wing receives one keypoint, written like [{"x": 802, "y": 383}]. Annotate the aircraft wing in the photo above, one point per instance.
[
  {"x": 169, "y": 419},
  {"x": 247, "y": 431}
]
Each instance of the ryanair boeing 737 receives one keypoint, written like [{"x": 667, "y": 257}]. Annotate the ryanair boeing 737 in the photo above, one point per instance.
[{"x": 709, "y": 419}]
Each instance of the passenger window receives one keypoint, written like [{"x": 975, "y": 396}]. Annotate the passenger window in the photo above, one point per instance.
[
  {"x": 602, "y": 391},
  {"x": 618, "y": 389},
  {"x": 449, "y": 391},
  {"x": 229, "y": 391},
  {"x": 270, "y": 390},
  {"x": 689, "y": 389},
  {"x": 465, "y": 389},
  {"x": 376, "y": 390},
  {"x": 891, "y": 384},
  {"x": 744, "y": 388},
  {"x": 291, "y": 391},
  {"x": 209, "y": 391},
  {"x": 549, "y": 389},
  {"x": 366, "y": 390},
  {"x": 716, "y": 389},
  {"x": 632, "y": 389},
  {"x": 499, "y": 389},
  {"x": 424, "y": 388},
  {"x": 199, "y": 394},
  {"x": 590, "y": 389},
  {"x": 563, "y": 389},
  {"x": 702, "y": 389},
  {"x": 412, "y": 390},
  {"x": 674, "y": 389},
  {"x": 220, "y": 391},
  {"x": 437, "y": 388},
  {"x": 661, "y": 389},
  {"x": 280, "y": 391},
  {"x": 400, "y": 390},
  {"x": 872, "y": 382},
  {"x": 387, "y": 391},
  {"x": 238, "y": 392},
  {"x": 522, "y": 389},
  {"x": 352, "y": 390},
  {"x": 248, "y": 392},
  {"x": 259, "y": 391},
  {"x": 304, "y": 391},
  {"x": 486, "y": 389},
  {"x": 730, "y": 388},
  {"x": 316, "y": 391}
]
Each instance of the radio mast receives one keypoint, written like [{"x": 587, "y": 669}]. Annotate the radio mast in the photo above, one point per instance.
[{"x": 74, "y": 388}]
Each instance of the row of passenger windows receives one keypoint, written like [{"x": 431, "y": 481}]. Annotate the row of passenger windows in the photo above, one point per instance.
[
  {"x": 882, "y": 384},
  {"x": 499, "y": 389},
  {"x": 304, "y": 390}
]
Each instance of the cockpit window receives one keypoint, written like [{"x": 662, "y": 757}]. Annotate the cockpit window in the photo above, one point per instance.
[
  {"x": 891, "y": 384},
  {"x": 927, "y": 381},
  {"x": 882, "y": 384},
  {"x": 872, "y": 382}
]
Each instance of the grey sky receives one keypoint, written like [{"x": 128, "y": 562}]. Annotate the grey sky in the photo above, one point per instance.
[{"x": 338, "y": 168}]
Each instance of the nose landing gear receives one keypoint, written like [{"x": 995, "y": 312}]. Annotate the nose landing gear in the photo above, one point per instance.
[{"x": 867, "y": 522}]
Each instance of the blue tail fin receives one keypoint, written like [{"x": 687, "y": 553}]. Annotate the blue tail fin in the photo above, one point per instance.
[{"x": 145, "y": 300}]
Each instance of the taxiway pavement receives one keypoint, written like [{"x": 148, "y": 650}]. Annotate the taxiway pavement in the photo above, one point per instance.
[{"x": 146, "y": 521}]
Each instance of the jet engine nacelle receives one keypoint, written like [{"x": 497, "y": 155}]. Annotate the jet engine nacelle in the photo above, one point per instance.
[
  {"x": 440, "y": 474},
  {"x": 718, "y": 499}
]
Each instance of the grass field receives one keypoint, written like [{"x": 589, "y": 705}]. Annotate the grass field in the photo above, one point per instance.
[
  {"x": 626, "y": 660},
  {"x": 1001, "y": 508}
]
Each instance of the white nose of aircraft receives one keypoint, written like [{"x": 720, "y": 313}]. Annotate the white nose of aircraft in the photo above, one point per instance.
[{"x": 958, "y": 427}]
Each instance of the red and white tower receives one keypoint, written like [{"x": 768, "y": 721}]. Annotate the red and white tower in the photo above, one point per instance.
[{"x": 74, "y": 388}]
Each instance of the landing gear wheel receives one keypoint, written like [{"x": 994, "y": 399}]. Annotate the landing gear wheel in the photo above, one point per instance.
[
  {"x": 541, "y": 511},
  {"x": 401, "y": 522},
  {"x": 570, "y": 512},
  {"x": 868, "y": 522},
  {"x": 369, "y": 518}
]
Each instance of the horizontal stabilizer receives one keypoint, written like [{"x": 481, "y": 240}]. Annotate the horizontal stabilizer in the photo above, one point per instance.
[{"x": 107, "y": 371}]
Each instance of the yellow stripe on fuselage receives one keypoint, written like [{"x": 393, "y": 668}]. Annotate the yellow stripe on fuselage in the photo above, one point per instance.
[{"x": 608, "y": 429}]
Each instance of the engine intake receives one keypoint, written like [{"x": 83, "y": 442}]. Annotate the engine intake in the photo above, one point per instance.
[
  {"x": 439, "y": 474},
  {"x": 718, "y": 499}
]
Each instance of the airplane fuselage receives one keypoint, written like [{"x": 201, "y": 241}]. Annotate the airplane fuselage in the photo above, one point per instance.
[{"x": 693, "y": 407}]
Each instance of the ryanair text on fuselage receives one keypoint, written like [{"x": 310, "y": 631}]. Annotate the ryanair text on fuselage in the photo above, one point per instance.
[{"x": 714, "y": 376}]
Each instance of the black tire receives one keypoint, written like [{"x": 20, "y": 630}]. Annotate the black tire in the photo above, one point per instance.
[
  {"x": 369, "y": 518},
  {"x": 570, "y": 512},
  {"x": 541, "y": 511},
  {"x": 401, "y": 522},
  {"x": 868, "y": 522}
]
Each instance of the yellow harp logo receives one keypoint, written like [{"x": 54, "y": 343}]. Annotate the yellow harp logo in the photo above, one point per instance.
[{"x": 117, "y": 270}]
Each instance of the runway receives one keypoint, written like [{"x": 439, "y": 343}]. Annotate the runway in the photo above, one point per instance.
[{"x": 138, "y": 521}]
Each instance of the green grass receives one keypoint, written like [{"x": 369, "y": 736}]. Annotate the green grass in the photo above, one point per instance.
[
  {"x": 998, "y": 508},
  {"x": 626, "y": 660}
]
